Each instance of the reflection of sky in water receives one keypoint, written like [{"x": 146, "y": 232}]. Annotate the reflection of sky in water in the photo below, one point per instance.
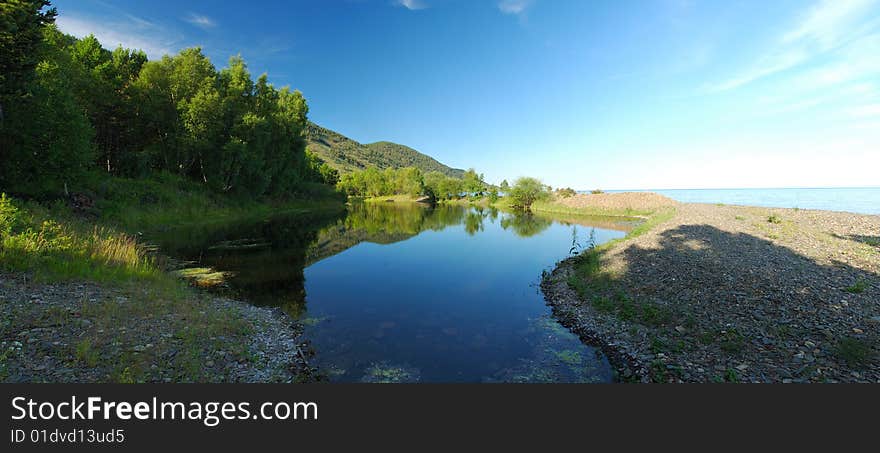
[
  {"x": 401, "y": 293},
  {"x": 448, "y": 306}
]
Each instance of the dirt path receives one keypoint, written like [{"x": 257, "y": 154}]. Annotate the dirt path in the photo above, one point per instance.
[{"x": 744, "y": 294}]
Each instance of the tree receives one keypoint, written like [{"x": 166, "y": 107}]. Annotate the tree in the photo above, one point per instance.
[
  {"x": 526, "y": 191},
  {"x": 472, "y": 183},
  {"x": 505, "y": 186},
  {"x": 71, "y": 103},
  {"x": 46, "y": 138},
  {"x": 408, "y": 181},
  {"x": 21, "y": 38},
  {"x": 525, "y": 224}
]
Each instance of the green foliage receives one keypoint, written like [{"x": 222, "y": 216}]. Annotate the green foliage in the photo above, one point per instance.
[
  {"x": 472, "y": 183},
  {"x": 858, "y": 287},
  {"x": 37, "y": 242},
  {"x": 71, "y": 107},
  {"x": 86, "y": 353},
  {"x": 856, "y": 352},
  {"x": 9, "y": 216},
  {"x": 346, "y": 155},
  {"x": 443, "y": 187},
  {"x": 566, "y": 192},
  {"x": 526, "y": 191},
  {"x": 409, "y": 181},
  {"x": 45, "y": 137},
  {"x": 505, "y": 186},
  {"x": 21, "y": 36},
  {"x": 596, "y": 191},
  {"x": 731, "y": 340},
  {"x": 775, "y": 219},
  {"x": 525, "y": 224}
]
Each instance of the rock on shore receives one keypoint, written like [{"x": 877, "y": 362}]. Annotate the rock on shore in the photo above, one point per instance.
[
  {"x": 754, "y": 295},
  {"x": 89, "y": 332}
]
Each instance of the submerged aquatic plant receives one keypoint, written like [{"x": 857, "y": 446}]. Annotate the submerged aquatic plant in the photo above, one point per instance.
[{"x": 385, "y": 373}]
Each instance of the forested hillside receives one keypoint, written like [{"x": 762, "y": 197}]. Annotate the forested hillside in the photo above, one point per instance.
[{"x": 346, "y": 155}]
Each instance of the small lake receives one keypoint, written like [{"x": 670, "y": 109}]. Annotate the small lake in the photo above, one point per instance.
[{"x": 394, "y": 292}]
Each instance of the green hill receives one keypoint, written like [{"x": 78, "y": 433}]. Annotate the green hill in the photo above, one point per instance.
[{"x": 347, "y": 155}]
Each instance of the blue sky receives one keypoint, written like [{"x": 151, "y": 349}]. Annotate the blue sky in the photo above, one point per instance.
[{"x": 586, "y": 94}]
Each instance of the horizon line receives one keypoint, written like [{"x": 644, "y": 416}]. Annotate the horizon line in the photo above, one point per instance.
[{"x": 734, "y": 188}]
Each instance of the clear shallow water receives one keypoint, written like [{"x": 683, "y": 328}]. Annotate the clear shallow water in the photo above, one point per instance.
[
  {"x": 394, "y": 293},
  {"x": 863, "y": 200}
]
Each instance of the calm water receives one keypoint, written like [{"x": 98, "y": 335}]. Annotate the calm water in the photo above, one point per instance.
[
  {"x": 394, "y": 293},
  {"x": 860, "y": 200}
]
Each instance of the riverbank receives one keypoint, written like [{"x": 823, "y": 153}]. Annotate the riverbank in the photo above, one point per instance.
[
  {"x": 718, "y": 293},
  {"x": 84, "y": 296},
  {"x": 82, "y": 331}
]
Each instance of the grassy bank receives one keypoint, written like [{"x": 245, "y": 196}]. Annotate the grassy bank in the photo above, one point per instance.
[
  {"x": 391, "y": 198},
  {"x": 164, "y": 329},
  {"x": 553, "y": 207}
]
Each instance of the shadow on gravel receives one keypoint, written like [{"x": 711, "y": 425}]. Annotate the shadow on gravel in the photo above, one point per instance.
[
  {"x": 729, "y": 267},
  {"x": 870, "y": 240},
  {"x": 775, "y": 300}
]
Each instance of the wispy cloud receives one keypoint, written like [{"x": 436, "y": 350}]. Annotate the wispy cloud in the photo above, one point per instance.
[
  {"x": 203, "y": 22},
  {"x": 411, "y": 4},
  {"x": 515, "y": 7},
  {"x": 825, "y": 23},
  {"x": 128, "y": 31},
  {"x": 825, "y": 28},
  {"x": 865, "y": 111}
]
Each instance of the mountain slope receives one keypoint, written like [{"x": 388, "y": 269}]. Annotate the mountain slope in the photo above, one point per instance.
[{"x": 347, "y": 155}]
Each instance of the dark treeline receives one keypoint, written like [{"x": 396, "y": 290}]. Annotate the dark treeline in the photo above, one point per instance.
[
  {"x": 70, "y": 108},
  {"x": 373, "y": 182}
]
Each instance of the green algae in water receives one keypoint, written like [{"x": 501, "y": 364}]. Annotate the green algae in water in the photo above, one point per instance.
[
  {"x": 570, "y": 357},
  {"x": 384, "y": 373}
]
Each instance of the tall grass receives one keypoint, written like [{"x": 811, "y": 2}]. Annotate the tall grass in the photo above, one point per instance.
[
  {"x": 163, "y": 201},
  {"x": 32, "y": 240}
]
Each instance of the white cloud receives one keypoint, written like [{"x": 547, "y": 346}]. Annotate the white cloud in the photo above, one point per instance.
[
  {"x": 515, "y": 7},
  {"x": 767, "y": 65},
  {"x": 203, "y": 22},
  {"x": 411, "y": 4},
  {"x": 827, "y": 27},
  {"x": 129, "y": 31},
  {"x": 865, "y": 111},
  {"x": 826, "y": 23}
]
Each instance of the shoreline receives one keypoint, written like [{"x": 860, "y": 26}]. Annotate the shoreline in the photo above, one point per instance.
[
  {"x": 767, "y": 295},
  {"x": 80, "y": 331},
  {"x": 84, "y": 299}
]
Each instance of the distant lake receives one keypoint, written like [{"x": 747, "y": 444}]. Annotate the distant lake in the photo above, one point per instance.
[
  {"x": 864, "y": 200},
  {"x": 394, "y": 292}
]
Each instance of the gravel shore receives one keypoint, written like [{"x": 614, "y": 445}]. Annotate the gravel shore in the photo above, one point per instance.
[
  {"x": 89, "y": 332},
  {"x": 754, "y": 295}
]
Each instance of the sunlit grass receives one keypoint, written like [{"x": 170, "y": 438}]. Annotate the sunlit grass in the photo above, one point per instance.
[{"x": 53, "y": 249}]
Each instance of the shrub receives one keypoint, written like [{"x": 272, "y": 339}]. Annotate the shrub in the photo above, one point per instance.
[
  {"x": 854, "y": 351},
  {"x": 566, "y": 192},
  {"x": 9, "y": 216},
  {"x": 526, "y": 191}
]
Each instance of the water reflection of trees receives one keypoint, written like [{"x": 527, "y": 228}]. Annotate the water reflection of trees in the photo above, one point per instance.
[
  {"x": 263, "y": 258},
  {"x": 266, "y": 258},
  {"x": 525, "y": 224},
  {"x": 381, "y": 223}
]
